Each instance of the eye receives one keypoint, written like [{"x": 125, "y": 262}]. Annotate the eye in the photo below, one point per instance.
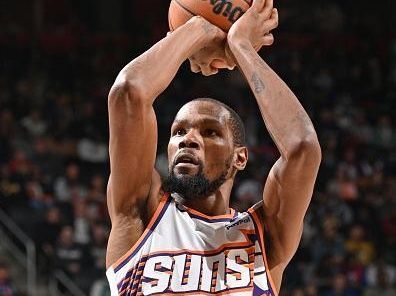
[
  {"x": 210, "y": 133},
  {"x": 179, "y": 132}
]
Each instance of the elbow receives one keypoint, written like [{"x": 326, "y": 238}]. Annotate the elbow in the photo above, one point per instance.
[
  {"x": 127, "y": 92},
  {"x": 308, "y": 149}
]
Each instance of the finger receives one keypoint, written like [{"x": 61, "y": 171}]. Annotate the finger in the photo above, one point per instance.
[
  {"x": 194, "y": 67},
  {"x": 275, "y": 14},
  {"x": 258, "y": 5},
  {"x": 267, "y": 9},
  {"x": 271, "y": 23},
  {"x": 268, "y": 39},
  {"x": 207, "y": 70},
  {"x": 219, "y": 64}
]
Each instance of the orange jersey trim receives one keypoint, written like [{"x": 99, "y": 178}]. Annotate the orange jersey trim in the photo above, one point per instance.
[
  {"x": 225, "y": 216},
  {"x": 260, "y": 229}
]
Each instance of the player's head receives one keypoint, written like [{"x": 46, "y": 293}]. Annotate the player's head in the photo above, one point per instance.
[{"x": 206, "y": 148}]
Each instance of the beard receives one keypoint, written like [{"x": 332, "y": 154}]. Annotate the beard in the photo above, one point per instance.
[{"x": 196, "y": 186}]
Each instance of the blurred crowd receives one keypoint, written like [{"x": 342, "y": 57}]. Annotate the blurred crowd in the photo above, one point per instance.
[{"x": 57, "y": 66}]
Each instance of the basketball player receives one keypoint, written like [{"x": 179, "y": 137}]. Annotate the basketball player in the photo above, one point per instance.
[{"x": 179, "y": 236}]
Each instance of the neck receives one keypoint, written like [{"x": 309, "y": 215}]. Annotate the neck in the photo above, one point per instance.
[{"x": 215, "y": 204}]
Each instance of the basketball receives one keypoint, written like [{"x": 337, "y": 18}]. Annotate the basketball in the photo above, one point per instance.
[{"x": 222, "y": 13}]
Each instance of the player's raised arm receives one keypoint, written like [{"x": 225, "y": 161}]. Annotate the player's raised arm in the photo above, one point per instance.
[
  {"x": 289, "y": 186},
  {"x": 133, "y": 129}
]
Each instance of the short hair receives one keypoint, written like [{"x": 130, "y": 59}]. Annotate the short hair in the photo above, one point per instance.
[{"x": 234, "y": 121}]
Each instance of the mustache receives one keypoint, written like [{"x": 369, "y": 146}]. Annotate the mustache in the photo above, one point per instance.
[{"x": 199, "y": 164}]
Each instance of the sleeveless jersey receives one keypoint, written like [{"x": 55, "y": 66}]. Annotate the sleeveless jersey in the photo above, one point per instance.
[{"x": 184, "y": 252}]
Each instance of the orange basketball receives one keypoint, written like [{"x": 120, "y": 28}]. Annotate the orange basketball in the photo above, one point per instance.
[{"x": 222, "y": 13}]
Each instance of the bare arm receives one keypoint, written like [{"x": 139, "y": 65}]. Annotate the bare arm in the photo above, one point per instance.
[
  {"x": 133, "y": 131},
  {"x": 290, "y": 183}
]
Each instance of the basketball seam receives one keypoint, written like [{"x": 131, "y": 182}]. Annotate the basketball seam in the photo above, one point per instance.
[{"x": 185, "y": 8}]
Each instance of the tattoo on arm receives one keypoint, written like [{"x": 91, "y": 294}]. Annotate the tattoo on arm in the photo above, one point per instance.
[{"x": 258, "y": 84}]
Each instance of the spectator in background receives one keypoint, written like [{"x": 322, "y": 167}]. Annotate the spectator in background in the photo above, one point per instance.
[
  {"x": 384, "y": 136},
  {"x": 37, "y": 200},
  {"x": 381, "y": 279},
  {"x": 388, "y": 228},
  {"x": 34, "y": 124},
  {"x": 92, "y": 150},
  {"x": 69, "y": 255},
  {"x": 358, "y": 246},
  {"x": 100, "y": 288},
  {"x": 52, "y": 224},
  {"x": 96, "y": 200},
  {"x": 311, "y": 289},
  {"x": 81, "y": 224},
  {"x": 5, "y": 281},
  {"x": 382, "y": 288},
  {"x": 297, "y": 292},
  {"x": 344, "y": 185},
  {"x": 98, "y": 249},
  {"x": 20, "y": 166},
  {"x": 341, "y": 287},
  {"x": 45, "y": 158},
  {"x": 69, "y": 186},
  {"x": 330, "y": 245}
]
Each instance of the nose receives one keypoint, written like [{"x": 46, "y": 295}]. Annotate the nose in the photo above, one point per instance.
[{"x": 189, "y": 141}]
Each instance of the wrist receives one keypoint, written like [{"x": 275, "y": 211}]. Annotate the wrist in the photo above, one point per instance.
[
  {"x": 236, "y": 43},
  {"x": 203, "y": 28},
  {"x": 196, "y": 34},
  {"x": 192, "y": 35},
  {"x": 207, "y": 30}
]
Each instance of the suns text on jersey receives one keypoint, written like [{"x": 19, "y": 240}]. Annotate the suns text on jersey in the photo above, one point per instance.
[{"x": 189, "y": 272}]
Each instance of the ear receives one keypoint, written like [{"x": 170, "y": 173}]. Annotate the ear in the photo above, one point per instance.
[{"x": 240, "y": 158}]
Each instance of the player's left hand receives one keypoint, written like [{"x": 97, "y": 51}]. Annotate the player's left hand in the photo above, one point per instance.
[
  {"x": 210, "y": 59},
  {"x": 255, "y": 25},
  {"x": 213, "y": 56}
]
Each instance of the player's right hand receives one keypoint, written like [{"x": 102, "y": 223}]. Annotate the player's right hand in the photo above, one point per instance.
[{"x": 212, "y": 56}]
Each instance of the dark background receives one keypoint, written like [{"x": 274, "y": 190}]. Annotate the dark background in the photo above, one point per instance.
[{"x": 58, "y": 60}]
